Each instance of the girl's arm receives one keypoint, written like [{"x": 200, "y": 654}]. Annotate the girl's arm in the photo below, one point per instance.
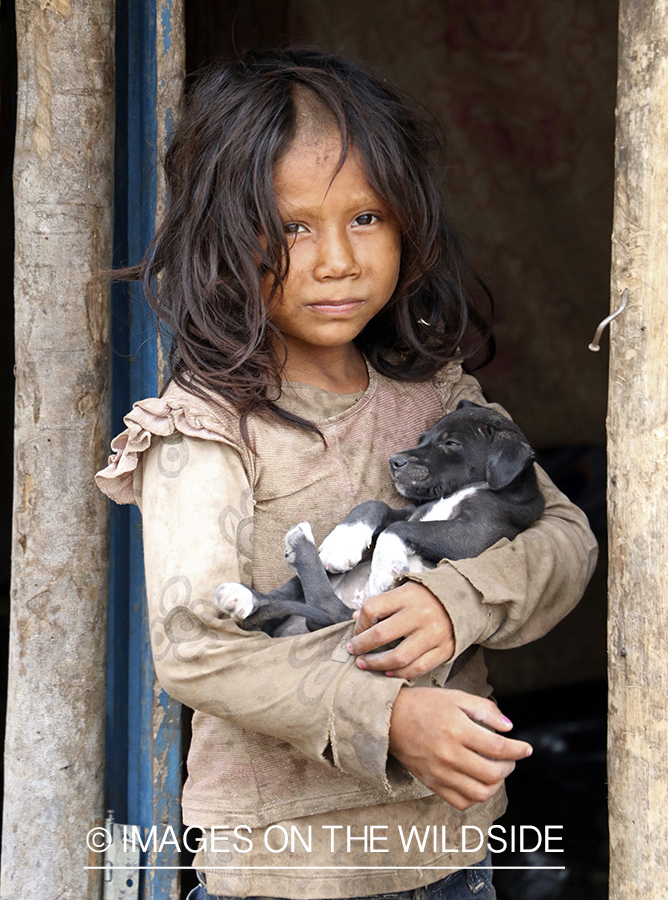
[
  {"x": 513, "y": 593},
  {"x": 305, "y": 690}
]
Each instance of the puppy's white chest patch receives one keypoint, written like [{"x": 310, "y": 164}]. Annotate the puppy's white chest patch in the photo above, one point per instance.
[{"x": 446, "y": 508}]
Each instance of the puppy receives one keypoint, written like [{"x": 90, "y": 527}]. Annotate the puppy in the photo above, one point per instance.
[{"x": 472, "y": 482}]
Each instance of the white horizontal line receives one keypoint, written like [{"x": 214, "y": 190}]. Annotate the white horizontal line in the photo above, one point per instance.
[{"x": 318, "y": 868}]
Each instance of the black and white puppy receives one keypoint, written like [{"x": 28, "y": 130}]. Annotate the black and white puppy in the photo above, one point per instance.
[{"x": 472, "y": 482}]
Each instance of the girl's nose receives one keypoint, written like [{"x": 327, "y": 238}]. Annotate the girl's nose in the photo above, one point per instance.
[{"x": 336, "y": 257}]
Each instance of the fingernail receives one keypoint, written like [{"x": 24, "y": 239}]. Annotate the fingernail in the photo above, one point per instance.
[
  {"x": 361, "y": 664},
  {"x": 506, "y": 720},
  {"x": 529, "y": 752},
  {"x": 350, "y": 648},
  {"x": 389, "y": 674}
]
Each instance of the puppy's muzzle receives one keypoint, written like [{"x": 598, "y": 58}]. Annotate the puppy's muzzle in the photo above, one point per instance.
[{"x": 407, "y": 469}]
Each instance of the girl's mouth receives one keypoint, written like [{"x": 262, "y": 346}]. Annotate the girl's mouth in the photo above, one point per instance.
[{"x": 336, "y": 307}]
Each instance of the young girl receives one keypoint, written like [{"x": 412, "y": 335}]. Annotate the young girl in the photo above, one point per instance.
[{"x": 318, "y": 298}]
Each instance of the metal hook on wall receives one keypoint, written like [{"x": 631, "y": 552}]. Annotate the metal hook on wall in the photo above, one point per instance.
[{"x": 604, "y": 324}]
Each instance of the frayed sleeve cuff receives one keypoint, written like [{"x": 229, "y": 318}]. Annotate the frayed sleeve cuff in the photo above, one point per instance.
[{"x": 360, "y": 725}]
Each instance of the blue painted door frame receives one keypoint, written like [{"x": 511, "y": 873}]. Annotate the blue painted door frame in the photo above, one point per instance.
[{"x": 143, "y": 723}]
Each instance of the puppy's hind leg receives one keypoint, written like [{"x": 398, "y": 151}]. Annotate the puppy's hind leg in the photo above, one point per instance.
[
  {"x": 302, "y": 555},
  {"x": 239, "y": 602},
  {"x": 253, "y": 610},
  {"x": 235, "y": 600}
]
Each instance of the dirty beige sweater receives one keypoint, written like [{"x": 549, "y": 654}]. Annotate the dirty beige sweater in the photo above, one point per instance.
[{"x": 288, "y": 730}]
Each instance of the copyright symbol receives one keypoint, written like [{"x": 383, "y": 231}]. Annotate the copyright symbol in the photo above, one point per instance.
[{"x": 98, "y": 839}]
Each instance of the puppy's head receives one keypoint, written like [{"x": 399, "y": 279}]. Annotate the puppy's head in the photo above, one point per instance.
[{"x": 471, "y": 445}]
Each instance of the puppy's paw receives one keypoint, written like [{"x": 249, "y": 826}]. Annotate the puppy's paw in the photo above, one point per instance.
[
  {"x": 234, "y": 600},
  {"x": 390, "y": 558},
  {"x": 343, "y": 549},
  {"x": 360, "y": 595},
  {"x": 294, "y": 538}
]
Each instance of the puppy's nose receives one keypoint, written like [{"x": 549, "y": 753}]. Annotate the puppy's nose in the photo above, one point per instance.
[{"x": 398, "y": 461}]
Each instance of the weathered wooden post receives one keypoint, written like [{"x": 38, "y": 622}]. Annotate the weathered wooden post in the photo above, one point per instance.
[
  {"x": 54, "y": 752},
  {"x": 638, "y": 462}
]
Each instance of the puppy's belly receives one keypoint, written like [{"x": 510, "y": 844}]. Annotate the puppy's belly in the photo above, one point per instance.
[{"x": 349, "y": 586}]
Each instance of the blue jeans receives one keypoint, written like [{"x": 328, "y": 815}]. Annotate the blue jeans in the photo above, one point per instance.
[{"x": 475, "y": 881}]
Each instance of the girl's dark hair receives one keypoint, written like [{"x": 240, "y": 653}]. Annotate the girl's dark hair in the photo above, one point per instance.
[{"x": 222, "y": 234}]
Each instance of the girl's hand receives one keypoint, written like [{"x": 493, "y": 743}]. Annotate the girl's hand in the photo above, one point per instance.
[
  {"x": 410, "y": 612},
  {"x": 436, "y": 735}
]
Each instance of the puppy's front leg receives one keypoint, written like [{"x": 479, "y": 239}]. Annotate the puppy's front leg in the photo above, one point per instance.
[
  {"x": 344, "y": 547},
  {"x": 426, "y": 542},
  {"x": 390, "y": 558},
  {"x": 429, "y": 542}
]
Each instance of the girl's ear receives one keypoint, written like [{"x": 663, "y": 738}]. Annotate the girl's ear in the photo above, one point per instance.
[{"x": 509, "y": 456}]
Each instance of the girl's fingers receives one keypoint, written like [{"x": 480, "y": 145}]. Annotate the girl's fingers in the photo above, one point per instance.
[
  {"x": 410, "y": 659},
  {"x": 408, "y": 655},
  {"x": 482, "y": 711},
  {"x": 498, "y": 746},
  {"x": 374, "y": 609},
  {"x": 454, "y": 798},
  {"x": 471, "y": 791},
  {"x": 480, "y": 739},
  {"x": 482, "y": 753},
  {"x": 427, "y": 662},
  {"x": 419, "y": 651},
  {"x": 483, "y": 770},
  {"x": 384, "y": 632}
]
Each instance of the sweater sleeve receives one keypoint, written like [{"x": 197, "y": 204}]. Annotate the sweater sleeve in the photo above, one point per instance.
[
  {"x": 197, "y": 523},
  {"x": 516, "y": 591}
]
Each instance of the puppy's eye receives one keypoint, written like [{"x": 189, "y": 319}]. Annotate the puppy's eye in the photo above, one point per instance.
[{"x": 449, "y": 442}]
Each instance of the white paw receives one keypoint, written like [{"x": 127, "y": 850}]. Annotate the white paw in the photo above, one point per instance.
[
  {"x": 343, "y": 549},
  {"x": 234, "y": 600},
  {"x": 298, "y": 533},
  {"x": 390, "y": 558},
  {"x": 360, "y": 596}
]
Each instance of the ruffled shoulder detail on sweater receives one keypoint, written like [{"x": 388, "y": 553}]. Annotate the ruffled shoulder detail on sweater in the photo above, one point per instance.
[
  {"x": 176, "y": 411},
  {"x": 445, "y": 381}
]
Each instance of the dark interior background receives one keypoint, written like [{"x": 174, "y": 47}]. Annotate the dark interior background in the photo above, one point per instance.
[{"x": 525, "y": 95}]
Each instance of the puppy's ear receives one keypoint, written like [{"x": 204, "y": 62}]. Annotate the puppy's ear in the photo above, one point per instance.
[
  {"x": 508, "y": 457},
  {"x": 463, "y": 404}
]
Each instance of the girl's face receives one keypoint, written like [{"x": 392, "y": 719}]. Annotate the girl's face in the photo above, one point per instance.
[{"x": 344, "y": 247}]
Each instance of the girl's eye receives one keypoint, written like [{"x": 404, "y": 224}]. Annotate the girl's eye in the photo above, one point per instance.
[
  {"x": 366, "y": 219},
  {"x": 293, "y": 228}
]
